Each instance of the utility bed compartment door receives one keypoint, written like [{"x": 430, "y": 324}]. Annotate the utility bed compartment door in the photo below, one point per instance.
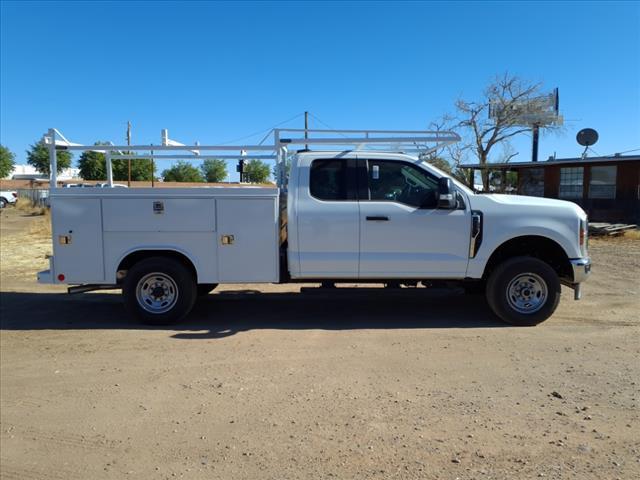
[
  {"x": 247, "y": 240},
  {"x": 77, "y": 239},
  {"x": 159, "y": 214}
]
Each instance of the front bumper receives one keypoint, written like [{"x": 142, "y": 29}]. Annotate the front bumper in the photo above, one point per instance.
[{"x": 581, "y": 269}]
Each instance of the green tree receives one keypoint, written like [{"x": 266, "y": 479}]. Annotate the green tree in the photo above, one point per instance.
[
  {"x": 142, "y": 169},
  {"x": 287, "y": 169},
  {"x": 256, "y": 171},
  {"x": 93, "y": 166},
  {"x": 182, "y": 171},
  {"x": 214, "y": 170},
  {"x": 38, "y": 157},
  {"x": 7, "y": 161}
]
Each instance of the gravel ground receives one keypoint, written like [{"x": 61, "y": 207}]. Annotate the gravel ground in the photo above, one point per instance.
[{"x": 265, "y": 382}]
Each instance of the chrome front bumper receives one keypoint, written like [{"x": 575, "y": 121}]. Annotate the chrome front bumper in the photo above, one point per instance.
[{"x": 581, "y": 269}]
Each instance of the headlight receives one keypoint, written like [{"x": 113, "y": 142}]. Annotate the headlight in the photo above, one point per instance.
[{"x": 584, "y": 236}]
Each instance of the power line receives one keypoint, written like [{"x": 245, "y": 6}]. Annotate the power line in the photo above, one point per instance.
[
  {"x": 626, "y": 151},
  {"x": 267, "y": 130},
  {"x": 325, "y": 124}
]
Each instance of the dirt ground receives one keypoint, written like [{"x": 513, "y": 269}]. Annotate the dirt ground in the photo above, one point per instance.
[{"x": 282, "y": 385}]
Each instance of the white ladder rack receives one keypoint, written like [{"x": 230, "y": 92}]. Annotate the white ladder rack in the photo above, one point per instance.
[{"x": 423, "y": 141}]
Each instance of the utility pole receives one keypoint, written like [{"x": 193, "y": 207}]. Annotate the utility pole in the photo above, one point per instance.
[
  {"x": 153, "y": 168},
  {"x": 306, "y": 126},
  {"x": 129, "y": 143},
  {"x": 534, "y": 147}
]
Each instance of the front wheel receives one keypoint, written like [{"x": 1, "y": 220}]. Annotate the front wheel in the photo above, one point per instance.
[
  {"x": 159, "y": 291},
  {"x": 523, "y": 291}
]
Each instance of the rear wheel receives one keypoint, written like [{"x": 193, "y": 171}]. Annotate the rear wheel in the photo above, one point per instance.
[
  {"x": 3, "y": 202},
  {"x": 159, "y": 291},
  {"x": 523, "y": 291}
]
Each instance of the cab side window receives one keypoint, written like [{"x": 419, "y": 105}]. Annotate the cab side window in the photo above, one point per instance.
[
  {"x": 401, "y": 182},
  {"x": 328, "y": 179}
]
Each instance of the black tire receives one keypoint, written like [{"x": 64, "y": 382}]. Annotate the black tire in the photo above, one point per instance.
[
  {"x": 537, "y": 291},
  {"x": 173, "y": 278},
  {"x": 206, "y": 288},
  {"x": 3, "y": 202}
]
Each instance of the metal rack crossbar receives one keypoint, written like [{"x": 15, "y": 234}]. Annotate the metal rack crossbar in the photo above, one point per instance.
[{"x": 404, "y": 140}]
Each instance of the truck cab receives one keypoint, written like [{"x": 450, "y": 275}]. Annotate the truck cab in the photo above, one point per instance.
[{"x": 361, "y": 215}]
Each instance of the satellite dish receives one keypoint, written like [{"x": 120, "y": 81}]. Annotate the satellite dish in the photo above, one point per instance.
[{"x": 587, "y": 137}]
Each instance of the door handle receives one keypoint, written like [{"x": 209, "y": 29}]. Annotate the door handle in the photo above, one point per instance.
[{"x": 378, "y": 219}]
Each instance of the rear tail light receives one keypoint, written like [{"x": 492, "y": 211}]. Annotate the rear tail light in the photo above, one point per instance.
[{"x": 15, "y": 195}]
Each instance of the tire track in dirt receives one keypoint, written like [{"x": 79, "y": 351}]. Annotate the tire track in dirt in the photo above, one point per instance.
[
  {"x": 65, "y": 439},
  {"x": 13, "y": 472}
]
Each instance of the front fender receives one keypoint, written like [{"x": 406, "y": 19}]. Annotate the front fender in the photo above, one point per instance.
[{"x": 561, "y": 232}]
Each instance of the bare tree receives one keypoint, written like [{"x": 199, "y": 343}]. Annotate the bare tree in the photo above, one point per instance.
[
  {"x": 455, "y": 154},
  {"x": 510, "y": 100}
]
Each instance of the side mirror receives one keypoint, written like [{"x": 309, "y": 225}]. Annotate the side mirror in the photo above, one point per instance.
[{"x": 446, "y": 194}]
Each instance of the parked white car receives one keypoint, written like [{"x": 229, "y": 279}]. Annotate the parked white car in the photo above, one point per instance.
[
  {"x": 8, "y": 197},
  {"x": 344, "y": 216},
  {"x": 106, "y": 185}
]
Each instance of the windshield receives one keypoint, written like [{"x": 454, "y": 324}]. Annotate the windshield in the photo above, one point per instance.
[{"x": 440, "y": 173}]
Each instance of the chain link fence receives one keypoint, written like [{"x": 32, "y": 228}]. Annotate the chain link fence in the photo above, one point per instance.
[{"x": 38, "y": 197}]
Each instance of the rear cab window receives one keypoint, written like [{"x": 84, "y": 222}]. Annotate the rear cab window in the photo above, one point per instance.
[{"x": 333, "y": 179}]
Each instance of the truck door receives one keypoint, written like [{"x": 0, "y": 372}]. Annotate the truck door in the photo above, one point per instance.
[
  {"x": 402, "y": 233},
  {"x": 328, "y": 219}
]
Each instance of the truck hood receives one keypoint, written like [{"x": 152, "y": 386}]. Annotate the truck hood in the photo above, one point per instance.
[{"x": 534, "y": 202}]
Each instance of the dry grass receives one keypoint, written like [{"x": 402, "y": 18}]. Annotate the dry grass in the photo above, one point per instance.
[
  {"x": 23, "y": 250},
  {"x": 41, "y": 226},
  {"x": 632, "y": 234},
  {"x": 27, "y": 207}
]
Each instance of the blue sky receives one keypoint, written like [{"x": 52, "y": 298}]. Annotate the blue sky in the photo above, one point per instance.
[{"x": 217, "y": 71}]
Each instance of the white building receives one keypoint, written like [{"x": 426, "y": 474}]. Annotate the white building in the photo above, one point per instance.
[{"x": 27, "y": 172}]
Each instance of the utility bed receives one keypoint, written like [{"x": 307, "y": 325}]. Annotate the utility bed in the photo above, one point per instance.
[{"x": 221, "y": 230}]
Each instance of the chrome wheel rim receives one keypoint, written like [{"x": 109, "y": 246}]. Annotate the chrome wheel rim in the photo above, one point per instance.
[
  {"x": 156, "y": 293},
  {"x": 527, "y": 293}
]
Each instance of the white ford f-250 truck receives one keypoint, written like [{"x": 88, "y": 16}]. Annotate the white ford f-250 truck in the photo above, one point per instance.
[{"x": 357, "y": 215}]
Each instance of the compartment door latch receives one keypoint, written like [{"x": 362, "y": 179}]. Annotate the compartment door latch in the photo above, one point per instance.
[{"x": 227, "y": 239}]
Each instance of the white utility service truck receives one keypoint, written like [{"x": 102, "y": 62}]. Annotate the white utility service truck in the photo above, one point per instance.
[{"x": 360, "y": 215}]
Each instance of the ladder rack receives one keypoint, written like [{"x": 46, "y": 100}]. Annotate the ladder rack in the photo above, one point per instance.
[{"x": 392, "y": 140}]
